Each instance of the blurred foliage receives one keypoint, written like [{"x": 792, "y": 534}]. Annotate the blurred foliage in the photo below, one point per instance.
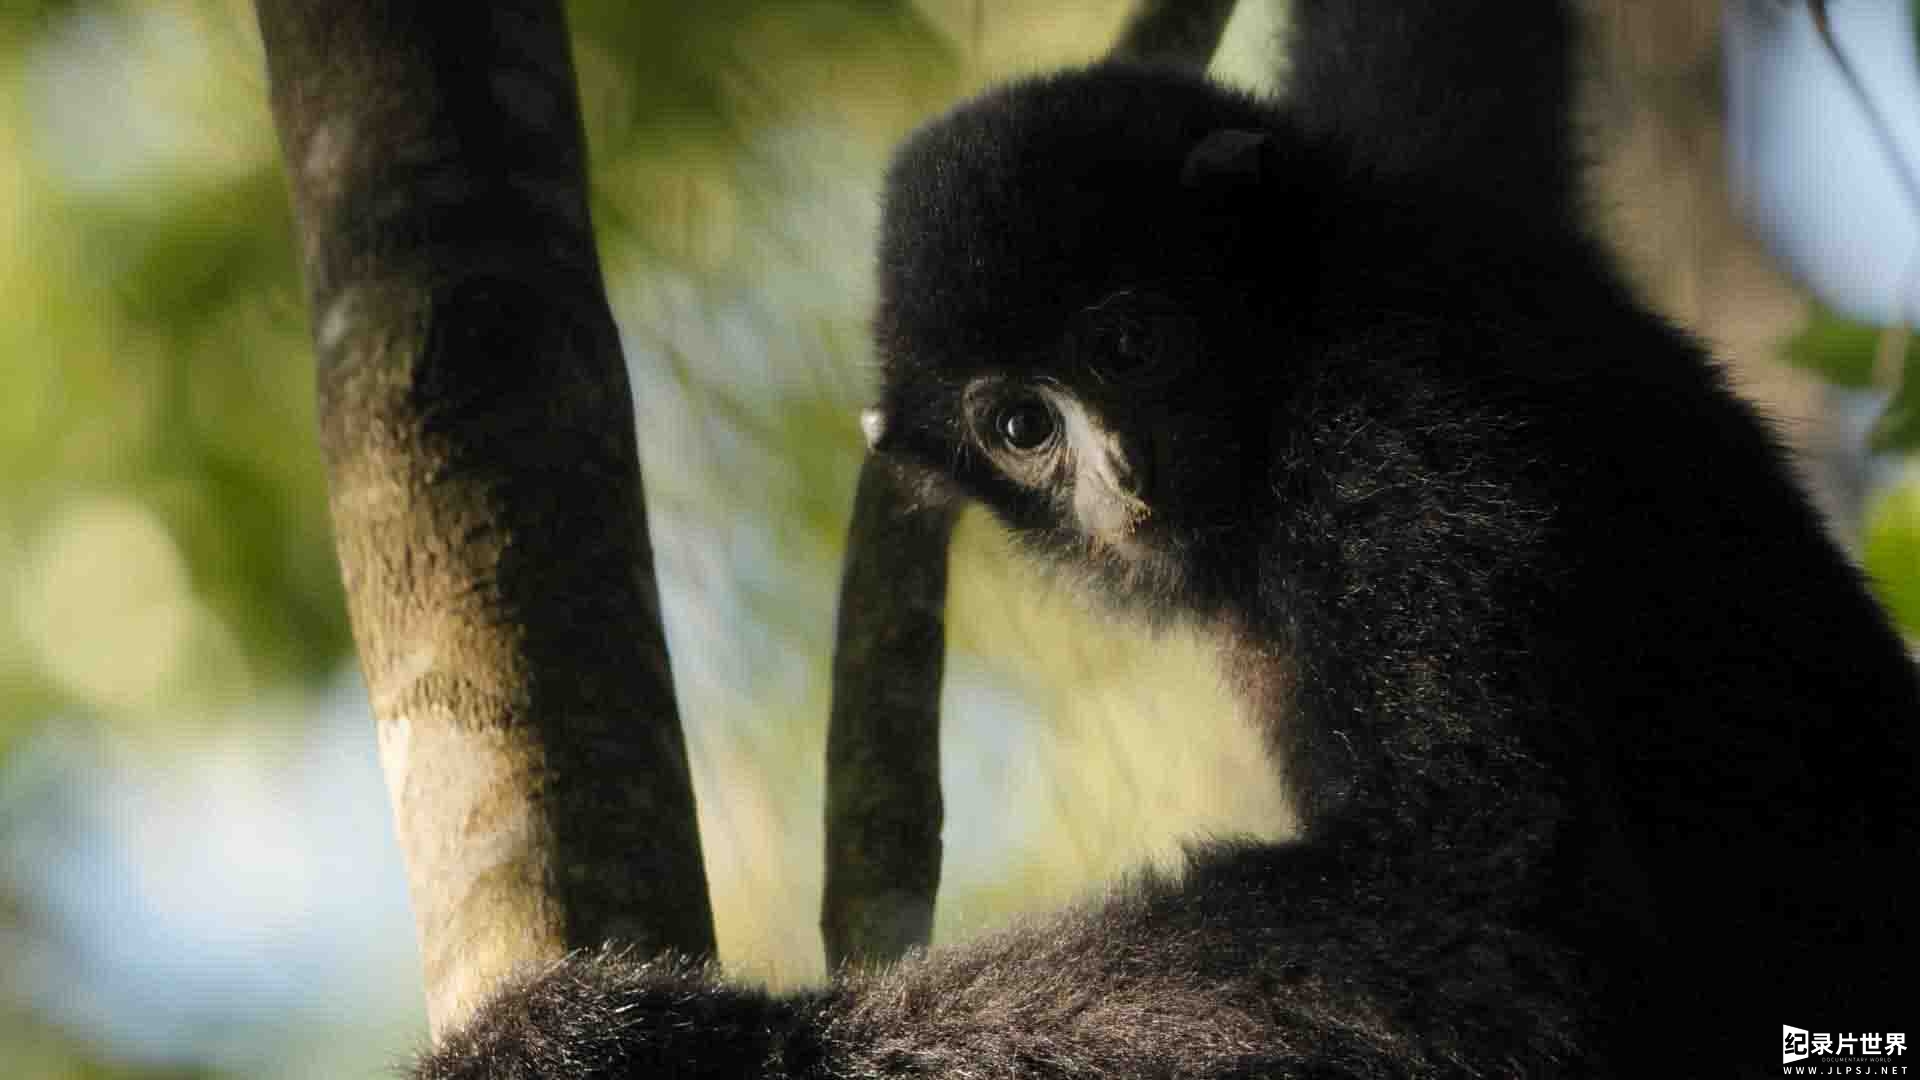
[
  {"x": 1837, "y": 348},
  {"x": 166, "y": 539},
  {"x": 1892, "y": 549},
  {"x": 1898, "y": 430},
  {"x": 1861, "y": 356},
  {"x": 34, "y": 1051}
]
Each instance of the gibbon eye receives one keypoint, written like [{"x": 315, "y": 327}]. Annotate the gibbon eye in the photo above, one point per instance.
[{"x": 1024, "y": 424}]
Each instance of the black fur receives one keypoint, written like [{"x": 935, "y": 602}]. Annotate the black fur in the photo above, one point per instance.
[{"x": 1598, "y": 742}]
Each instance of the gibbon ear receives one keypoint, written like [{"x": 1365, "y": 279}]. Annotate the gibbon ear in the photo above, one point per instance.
[{"x": 1228, "y": 159}]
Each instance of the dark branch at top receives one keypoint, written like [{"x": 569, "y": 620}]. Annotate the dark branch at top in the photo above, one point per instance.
[{"x": 1180, "y": 32}]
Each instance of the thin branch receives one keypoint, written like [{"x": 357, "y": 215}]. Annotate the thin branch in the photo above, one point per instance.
[
  {"x": 485, "y": 491},
  {"x": 1179, "y": 32},
  {"x": 883, "y": 739},
  {"x": 1877, "y": 122}
]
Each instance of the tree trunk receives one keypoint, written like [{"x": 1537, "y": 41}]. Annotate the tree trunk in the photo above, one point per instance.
[{"x": 485, "y": 489}]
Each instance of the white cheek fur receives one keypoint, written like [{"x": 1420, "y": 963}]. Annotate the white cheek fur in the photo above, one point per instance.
[{"x": 1102, "y": 504}]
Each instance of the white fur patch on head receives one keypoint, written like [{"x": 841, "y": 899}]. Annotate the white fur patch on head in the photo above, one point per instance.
[{"x": 1105, "y": 503}]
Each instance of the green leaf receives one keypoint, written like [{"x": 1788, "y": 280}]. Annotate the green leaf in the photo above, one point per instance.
[
  {"x": 1892, "y": 551},
  {"x": 1898, "y": 429},
  {"x": 1839, "y": 349}
]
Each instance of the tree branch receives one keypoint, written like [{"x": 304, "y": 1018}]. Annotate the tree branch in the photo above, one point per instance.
[
  {"x": 1180, "y": 32},
  {"x": 883, "y": 738},
  {"x": 485, "y": 490}
]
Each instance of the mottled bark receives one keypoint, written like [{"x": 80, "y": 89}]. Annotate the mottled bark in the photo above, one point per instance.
[
  {"x": 884, "y": 808},
  {"x": 485, "y": 490}
]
